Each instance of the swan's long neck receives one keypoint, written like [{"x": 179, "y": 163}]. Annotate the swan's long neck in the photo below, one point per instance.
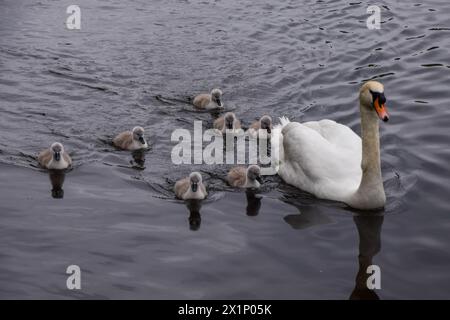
[{"x": 370, "y": 194}]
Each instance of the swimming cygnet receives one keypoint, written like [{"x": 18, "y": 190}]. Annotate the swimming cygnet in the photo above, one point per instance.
[
  {"x": 131, "y": 140},
  {"x": 55, "y": 158},
  {"x": 227, "y": 121},
  {"x": 209, "y": 101},
  {"x": 242, "y": 177},
  {"x": 265, "y": 123},
  {"x": 191, "y": 187}
]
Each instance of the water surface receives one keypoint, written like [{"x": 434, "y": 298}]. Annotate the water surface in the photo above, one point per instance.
[{"x": 122, "y": 225}]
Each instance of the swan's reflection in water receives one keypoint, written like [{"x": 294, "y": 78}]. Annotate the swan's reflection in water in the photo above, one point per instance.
[
  {"x": 309, "y": 216},
  {"x": 369, "y": 231},
  {"x": 139, "y": 159},
  {"x": 57, "y": 178},
  {"x": 253, "y": 202},
  {"x": 195, "y": 218}
]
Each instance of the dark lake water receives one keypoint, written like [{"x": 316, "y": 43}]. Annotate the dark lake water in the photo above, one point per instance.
[{"x": 122, "y": 225}]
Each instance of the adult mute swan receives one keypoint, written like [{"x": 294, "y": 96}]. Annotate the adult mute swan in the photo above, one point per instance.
[{"x": 330, "y": 161}]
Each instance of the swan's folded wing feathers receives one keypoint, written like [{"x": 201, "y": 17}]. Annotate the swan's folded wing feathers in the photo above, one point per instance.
[
  {"x": 203, "y": 188},
  {"x": 337, "y": 134},
  {"x": 202, "y": 100},
  {"x": 44, "y": 157},
  {"x": 67, "y": 158},
  {"x": 237, "y": 176},
  {"x": 123, "y": 140},
  {"x": 181, "y": 186},
  {"x": 311, "y": 162},
  {"x": 255, "y": 125},
  {"x": 219, "y": 123}
]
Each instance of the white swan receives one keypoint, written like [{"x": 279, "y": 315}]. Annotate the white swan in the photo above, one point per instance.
[{"x": 330, "y": 161}]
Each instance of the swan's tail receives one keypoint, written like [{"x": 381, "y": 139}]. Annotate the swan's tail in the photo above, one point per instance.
[
  {"x": 276, "y": 142},
  {"x": 283, "y": 122}
]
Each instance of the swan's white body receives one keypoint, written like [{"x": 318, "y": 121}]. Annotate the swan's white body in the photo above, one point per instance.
[
  {"x": 320, "y": 157},
  {"x": 330, "y": 160}
]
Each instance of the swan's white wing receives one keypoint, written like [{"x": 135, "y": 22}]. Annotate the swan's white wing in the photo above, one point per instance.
[
  {"x": 337, "y": 134},
  {"x": 323, "y": 158}
]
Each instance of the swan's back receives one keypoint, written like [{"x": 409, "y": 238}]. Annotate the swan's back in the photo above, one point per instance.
[{"x": 322, "y": 157}]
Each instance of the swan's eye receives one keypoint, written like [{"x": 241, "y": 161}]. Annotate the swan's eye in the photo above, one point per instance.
[
  {"x": 378, "y": 95},
  {"x": 374, "y": 95}
]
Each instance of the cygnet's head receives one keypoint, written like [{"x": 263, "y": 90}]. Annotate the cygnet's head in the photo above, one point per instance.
[
  {"x": 195, "y": 178},
  {"x": 266, "y": 123},
  {"x": 216, "y": 95},
  {"x": 57, "y": 149},
  {"x": 229, "y": 120},
  {"x": 138, "y": 134},
  {"x": 254, "y": 173}
]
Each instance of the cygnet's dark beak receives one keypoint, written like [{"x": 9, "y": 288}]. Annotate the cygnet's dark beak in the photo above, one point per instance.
[{"x": 57, "y": 156}]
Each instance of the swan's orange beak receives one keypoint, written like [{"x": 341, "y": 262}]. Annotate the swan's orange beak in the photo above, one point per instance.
[{"x": 381, "y": 110}]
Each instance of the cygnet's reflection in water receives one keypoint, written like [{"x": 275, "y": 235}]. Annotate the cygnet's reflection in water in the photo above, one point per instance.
[
  {"x": 369, "y": 231},
  {"x": 215, "y": 113},
  {"x": 139, "y": 159},
  {"x": 195, "y": 218},
  {"x": 253, "y": 202},
  {"x": 57, "y": 178}
]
